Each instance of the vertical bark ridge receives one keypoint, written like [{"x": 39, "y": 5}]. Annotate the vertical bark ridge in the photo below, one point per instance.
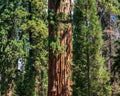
[{"x": 60, "y": 69}]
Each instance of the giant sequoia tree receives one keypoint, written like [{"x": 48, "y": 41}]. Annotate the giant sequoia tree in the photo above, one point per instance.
[
  {"x": 89, "y": 73},
  {"x": 60, "y": 48}
]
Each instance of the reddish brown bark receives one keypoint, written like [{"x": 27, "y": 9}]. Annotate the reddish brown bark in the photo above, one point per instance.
[{"x": 59, "y": 83}]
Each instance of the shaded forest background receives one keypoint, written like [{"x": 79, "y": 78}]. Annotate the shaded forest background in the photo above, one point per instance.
[{"x": 59, "y": 48}]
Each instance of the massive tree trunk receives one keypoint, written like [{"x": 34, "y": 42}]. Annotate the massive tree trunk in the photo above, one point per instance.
[{"x": 60, "y": 33}]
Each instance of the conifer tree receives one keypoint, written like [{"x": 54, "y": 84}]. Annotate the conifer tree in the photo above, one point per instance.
[
  {"x": 14, "y": 37},
  {"x": 60, "y": 48},
  {"x": 108, "y": 11},
  {"x": 89, "y": 66},
  {"x": 8, "y": 46},
  {"x": 116, "y": 70},
  {"x": 36, "y": 67}
]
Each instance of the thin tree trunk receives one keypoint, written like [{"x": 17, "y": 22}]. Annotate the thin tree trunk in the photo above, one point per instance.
[
  {"x": 88, "y": 68},
  {"x": 88, "y": 73},
  {"x": 0, "y": 81},
  {"x": 9, "y": 89},
  {"x": 88, "y": 53},
  {"x": 32, "y": 54}
]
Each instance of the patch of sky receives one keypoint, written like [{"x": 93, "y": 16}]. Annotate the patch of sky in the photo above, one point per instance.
[
  {"x": 20, "y": 64},
  {"x": 114, "y": 18},
  {"x": 19, "y": 31}
]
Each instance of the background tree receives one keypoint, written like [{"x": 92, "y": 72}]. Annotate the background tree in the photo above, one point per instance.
[
  {"x": 9, "y": 45},
  {"x": 89, "y": 66},
  {"x": 115, "y": 69},
  {"x": 14, "y": 43},
  {"x": 108, "y": 12},
  {"x": 36, "y": 67}
]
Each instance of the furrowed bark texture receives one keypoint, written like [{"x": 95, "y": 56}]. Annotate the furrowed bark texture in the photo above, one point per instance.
[{"x": 59, "y": 83}]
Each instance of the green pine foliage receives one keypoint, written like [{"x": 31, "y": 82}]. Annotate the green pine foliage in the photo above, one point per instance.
[
  {"x": 90, "y": 75},
  {"x": 111, "y": 6},
  {"x": 36, "y": 67},
  {"x": 14, "y": 44},
  {"x": 24, "y": 34},
  {"x": 22, "y": 40},
  {"x": 9, "y": 45}
]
